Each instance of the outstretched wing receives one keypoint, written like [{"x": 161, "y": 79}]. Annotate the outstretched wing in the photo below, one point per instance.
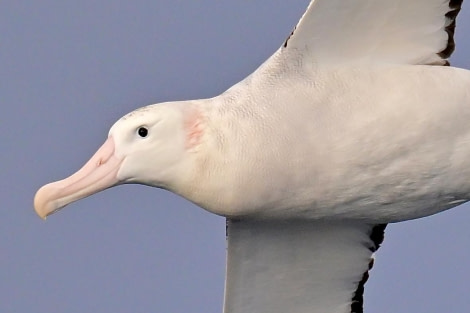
[
  {"x": 377, "y": 31},
  {"x": 298, "y": 266}
]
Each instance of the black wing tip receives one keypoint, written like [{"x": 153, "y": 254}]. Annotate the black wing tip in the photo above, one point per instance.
[{"x": 377, "y": 236}]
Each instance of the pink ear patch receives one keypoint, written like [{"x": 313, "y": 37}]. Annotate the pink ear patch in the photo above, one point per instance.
[{"x": 193, "y": 126}]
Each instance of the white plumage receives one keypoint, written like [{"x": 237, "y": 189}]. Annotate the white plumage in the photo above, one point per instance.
[{"x": 352, "y": 124}]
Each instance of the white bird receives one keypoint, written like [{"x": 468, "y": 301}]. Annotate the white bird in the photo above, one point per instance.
[{"x": 352, "y": 124}]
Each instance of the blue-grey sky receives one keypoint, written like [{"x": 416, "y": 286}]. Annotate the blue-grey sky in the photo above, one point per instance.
[{"x": 68, "y": 70}]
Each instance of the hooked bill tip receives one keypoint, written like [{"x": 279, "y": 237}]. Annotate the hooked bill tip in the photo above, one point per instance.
[
  {"x": 99, "y": 173},
  {"x": 40, "y": 202}
]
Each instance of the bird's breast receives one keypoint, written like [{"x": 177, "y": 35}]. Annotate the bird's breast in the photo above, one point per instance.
[{"x": 355, "y": 149}]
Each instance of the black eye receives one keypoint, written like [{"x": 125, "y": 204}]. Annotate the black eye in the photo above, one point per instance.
[{"x": 143, "y": 132}]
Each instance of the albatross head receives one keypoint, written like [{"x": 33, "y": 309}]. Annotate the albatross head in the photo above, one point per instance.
[{"x": 147, "y": 146}]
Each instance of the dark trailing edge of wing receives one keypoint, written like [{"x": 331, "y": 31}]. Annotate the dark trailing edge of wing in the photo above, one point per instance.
[
  {"x": 287, "y": 39},
  {"x": 451, "y": 15},
  {"x": 377, "y": 237},
  {"x": 454, "y": 6}
]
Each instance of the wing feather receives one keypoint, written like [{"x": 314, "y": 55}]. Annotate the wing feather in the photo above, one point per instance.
[
  {"x": 298, "y": 266},
  {"x": 378, "y": 31}
]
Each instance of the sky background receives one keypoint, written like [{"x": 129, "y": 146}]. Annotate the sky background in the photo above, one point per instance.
[{"x": 68, "y": 70}]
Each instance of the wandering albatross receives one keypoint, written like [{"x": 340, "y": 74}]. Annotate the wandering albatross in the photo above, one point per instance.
[{"x": 356, "y": 121}]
